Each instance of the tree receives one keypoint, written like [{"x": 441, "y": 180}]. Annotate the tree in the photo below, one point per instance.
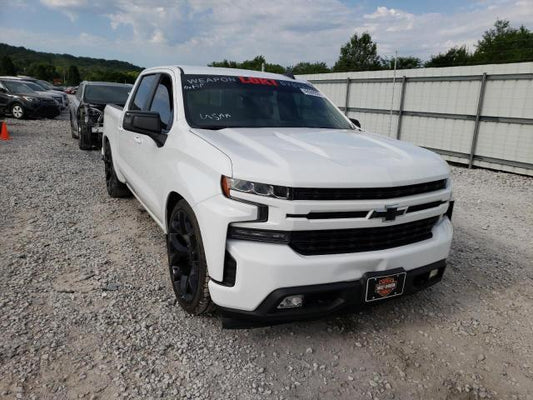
[
  {"x": 504, "y": 43},
  {"x": 359, "y": 54},
  {"x": 402, "y": 63},
  {"x": 43, "y": 71},
  {"x": 254, "y": 64},
  {"x": 7, "y": 67},
  {"x": 453, "y": 57},
  {"x": 73, "y": 76},
  {"x": 309, "y": 68}
]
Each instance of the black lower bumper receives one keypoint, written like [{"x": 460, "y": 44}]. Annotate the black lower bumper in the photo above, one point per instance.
[{"x": 325, "y": 299}]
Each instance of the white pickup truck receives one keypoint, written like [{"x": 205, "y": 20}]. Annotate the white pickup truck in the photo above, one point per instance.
[{"x": 275, "y": 205}]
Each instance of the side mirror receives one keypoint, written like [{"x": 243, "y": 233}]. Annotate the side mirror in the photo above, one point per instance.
[
  {"x": 3, "y": 90},
  {"x": 355, "y": 122},
  {"x": 146, "y": 123}
]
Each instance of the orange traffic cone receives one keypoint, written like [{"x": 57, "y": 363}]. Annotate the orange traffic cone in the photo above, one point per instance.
[{"x": 4, "y": 134}]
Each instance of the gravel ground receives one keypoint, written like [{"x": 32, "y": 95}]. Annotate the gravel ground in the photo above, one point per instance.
[{"x": 87, "y": 310}]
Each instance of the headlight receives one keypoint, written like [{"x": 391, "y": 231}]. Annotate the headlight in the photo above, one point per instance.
[
  {"x": 30, "y": 99},
  {"x": 260, "y": 189},
  {"x": 92, "y": 114}
]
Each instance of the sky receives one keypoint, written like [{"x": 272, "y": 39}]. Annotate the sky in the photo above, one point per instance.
[{"x": 196, "y": 32}]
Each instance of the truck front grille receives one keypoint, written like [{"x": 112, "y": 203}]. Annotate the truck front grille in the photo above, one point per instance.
[
  {"x": 366, "y": 193},
  {"x": 361, "y": 239}
]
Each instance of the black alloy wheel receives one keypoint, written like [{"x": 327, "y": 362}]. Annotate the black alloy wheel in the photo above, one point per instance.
[{"x": 186, "y": 259}]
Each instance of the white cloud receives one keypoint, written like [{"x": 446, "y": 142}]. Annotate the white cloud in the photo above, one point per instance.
[{"x": 284, "y": 31}]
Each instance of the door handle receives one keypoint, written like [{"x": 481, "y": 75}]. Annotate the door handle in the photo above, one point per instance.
[{"x": 137, "y": 139}]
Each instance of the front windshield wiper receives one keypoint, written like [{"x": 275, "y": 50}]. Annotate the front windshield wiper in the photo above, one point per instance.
[{"x": 212, "y": 127}]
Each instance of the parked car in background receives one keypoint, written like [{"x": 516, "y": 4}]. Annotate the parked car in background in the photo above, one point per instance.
[
  {"x": 275, "y": 205},
  {"x": 23, "y": 102},
  {"x": 86, "y": 110},
  {"x": 71, "y": 90},
  {"x": 42, "y": 87},
  {"x": 46, "y": 93}
]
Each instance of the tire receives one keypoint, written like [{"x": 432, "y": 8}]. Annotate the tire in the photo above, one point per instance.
[
  {"x": 17, "y": 111},
  {"x": 84, "y": 138},
  {"x": 186, "y": 261},
  {"x": 115, "y": 188},
  {"x": 73, "y": 130}
]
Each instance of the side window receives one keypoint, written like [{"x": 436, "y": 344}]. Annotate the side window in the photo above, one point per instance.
[
  {"x": 142, "y": 94},
  {"x": 162, "y": 102}
]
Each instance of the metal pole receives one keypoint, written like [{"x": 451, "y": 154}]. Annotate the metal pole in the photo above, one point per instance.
[
  {"x": 392, "y": 97},
  {"x": 400, "y": 110},
  {"x": 478, "y": 118},
  {"x": 347, "y": 99}
]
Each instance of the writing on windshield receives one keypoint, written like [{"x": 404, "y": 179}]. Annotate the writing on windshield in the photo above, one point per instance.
[{"x": 217, "y": 102}]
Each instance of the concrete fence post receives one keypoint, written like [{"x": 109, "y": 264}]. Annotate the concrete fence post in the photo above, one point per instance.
[
  {"x": 400, "y": 109},
  {"x": 347, "y": 99},
  {"x": 478, "y": 119}
]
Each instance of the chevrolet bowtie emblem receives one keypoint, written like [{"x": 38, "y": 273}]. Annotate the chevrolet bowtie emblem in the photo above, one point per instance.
[{"x": 389, "y": 213}]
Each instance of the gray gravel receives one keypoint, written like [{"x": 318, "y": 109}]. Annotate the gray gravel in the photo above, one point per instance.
[{"x": 87, "y": 309}]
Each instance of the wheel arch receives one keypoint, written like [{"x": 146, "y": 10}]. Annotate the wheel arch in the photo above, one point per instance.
[{"x": 172, "y": 199}]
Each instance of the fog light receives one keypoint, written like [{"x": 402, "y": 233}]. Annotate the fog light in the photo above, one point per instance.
[
  {"x": 433, "y": 273},
  {"x": 292, "y": 302}
]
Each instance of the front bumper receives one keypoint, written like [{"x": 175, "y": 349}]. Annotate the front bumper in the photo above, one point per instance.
[
  {"x": 325, "y": 299},
  {"x": 263, "y": 268}
]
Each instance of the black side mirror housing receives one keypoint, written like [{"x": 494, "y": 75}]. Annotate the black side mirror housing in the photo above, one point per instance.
[
  {"x": 355, "y": 122},
  {"x": 3, "y": 90},
  {"x": 146, "y": 123}
]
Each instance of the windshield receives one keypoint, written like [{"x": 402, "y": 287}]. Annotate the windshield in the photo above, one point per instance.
[
  {"x": 217, "y": 101},
  {"x": 107, "y": 94},
  {"x": 45, "y": 84},
  {"x": 34, "y": 86},
  {"x": 17, "y": 87}
]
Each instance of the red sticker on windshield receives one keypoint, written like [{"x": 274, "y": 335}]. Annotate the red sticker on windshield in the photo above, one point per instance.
[{"x": 258, "y": 81}]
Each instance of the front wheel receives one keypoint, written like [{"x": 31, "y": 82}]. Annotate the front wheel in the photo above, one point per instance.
[
  {"x": 17, "y": 111},
  {"x": 186, "y": 260},
  {"x": 84, "y": 137},
  {"x": 73, "y": 130}
]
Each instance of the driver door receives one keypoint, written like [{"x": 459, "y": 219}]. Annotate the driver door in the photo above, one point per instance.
[{"x": 130, "y": 142}]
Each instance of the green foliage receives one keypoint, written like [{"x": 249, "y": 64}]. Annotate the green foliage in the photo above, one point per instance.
[
  {"x": 309, "y": 68},
  {"x": 73, "y": 76},
  {"x": 454, "y": 57},
  {"x": 7, "y": 67},
  {"x": 401, "y": 63},
  {"x": 48, "y": 66},
  {"x": 255, "y": 65},
  {"x": 42, "y": 71},
  {"x": 359, "y": 54},
  {"x": 503, "y": 44}
]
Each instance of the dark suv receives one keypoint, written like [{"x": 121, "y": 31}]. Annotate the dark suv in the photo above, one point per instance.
[
  {"x": 87, "y": 110},
  {"x": 23, "y": 102}
]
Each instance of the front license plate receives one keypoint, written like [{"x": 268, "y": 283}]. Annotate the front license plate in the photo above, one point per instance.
[{"x": 384, "y": 286}]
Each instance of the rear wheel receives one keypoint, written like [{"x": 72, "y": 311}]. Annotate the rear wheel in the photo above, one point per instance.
[
  {"x": 115, "y": 188},
  {"x": 186, "y": 259},
  {"x": 17, "y": 111}
]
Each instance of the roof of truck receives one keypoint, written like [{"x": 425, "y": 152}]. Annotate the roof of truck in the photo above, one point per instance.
[{"x": 202, "y": 70}]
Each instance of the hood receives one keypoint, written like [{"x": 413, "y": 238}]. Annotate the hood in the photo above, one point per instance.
[{"x": 304, "y": 157}]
